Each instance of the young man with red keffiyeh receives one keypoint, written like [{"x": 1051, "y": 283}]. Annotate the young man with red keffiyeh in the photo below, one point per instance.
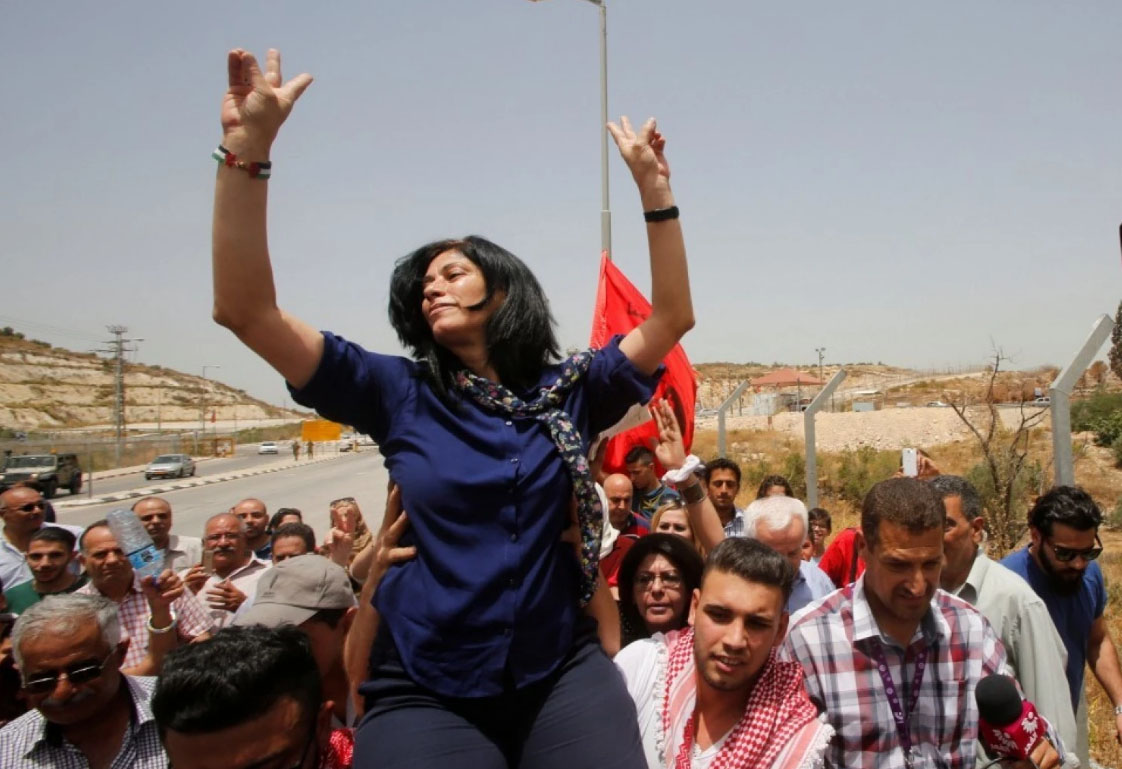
[{"x": 714, "y": 696}]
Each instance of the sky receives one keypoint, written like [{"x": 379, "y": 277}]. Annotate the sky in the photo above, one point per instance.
[{"x": 901, "y": 182}]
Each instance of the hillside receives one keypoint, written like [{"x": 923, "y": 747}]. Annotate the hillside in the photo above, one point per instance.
[{"x": 44, "y": 387}]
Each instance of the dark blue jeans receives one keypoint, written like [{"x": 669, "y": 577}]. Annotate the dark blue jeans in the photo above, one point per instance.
[{"x": 580, "y": 716}]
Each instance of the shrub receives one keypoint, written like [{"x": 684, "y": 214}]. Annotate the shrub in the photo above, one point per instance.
[
  {"x": 1086, "y": 413},
  {"x": 1114, "y": 517},
  {"x": 1108, "y": 428},
  {"x": 858, "y": 470},
  {"x": 1006, "y": 520}
]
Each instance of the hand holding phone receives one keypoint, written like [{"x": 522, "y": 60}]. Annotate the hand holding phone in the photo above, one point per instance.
[{"x": 909, "y": 463}]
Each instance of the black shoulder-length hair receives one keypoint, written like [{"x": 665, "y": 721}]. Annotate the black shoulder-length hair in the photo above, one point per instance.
[
  {"x": 678, "y": 551},
  {"x": 520, "y": 337}
]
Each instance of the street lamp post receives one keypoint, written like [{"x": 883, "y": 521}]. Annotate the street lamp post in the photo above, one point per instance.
[
  {"x": 202, "y": 400},
  {"x": 605, "y": 207}
]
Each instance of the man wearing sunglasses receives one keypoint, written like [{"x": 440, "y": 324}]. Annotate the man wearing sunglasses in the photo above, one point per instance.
[
  {"x": 1060, "y": 566},
  {"x": 22, "y": 511},
  {"x": 85, "y": 712}
]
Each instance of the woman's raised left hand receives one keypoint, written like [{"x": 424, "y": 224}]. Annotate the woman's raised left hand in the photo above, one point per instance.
[{"x": 643, "y": 152}]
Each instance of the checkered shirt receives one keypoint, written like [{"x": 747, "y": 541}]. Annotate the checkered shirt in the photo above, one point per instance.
[
  {"x": 735, "y": 527},
  {"x": 30, "y": 741},
  {"x": 191, "y": 619},
  {"x": 833, "y": 640}
]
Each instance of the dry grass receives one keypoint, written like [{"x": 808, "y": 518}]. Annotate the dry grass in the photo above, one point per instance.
[{"x": 1095, "y": 471}]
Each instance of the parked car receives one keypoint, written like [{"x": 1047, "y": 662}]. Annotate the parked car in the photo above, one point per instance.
[
  {"x": 1043, "y": 400},
  {"x": 936, "y": 403},
  {"x": 170, "y": 466},
  {"x": 46, "y": 472},
  {"x": 268, "y": 447}
]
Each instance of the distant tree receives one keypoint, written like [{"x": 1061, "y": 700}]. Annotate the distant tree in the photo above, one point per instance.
[
  {"x": 1116, "y": 344},
  {"x": 1005, "y": 476},
  {"x": 1097, "y": 372}
]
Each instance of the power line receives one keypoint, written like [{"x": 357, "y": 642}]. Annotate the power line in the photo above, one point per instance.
[{"x": 35, "y": 325}]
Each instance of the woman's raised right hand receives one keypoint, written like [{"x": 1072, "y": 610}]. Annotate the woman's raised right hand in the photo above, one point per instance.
[{"x": 256, "y": 103}]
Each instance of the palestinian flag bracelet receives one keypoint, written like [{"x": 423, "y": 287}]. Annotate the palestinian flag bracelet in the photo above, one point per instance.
[{"x": 262, "y": 170}]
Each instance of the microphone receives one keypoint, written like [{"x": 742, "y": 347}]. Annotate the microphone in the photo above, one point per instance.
[{"x": 1008, "y": 726}]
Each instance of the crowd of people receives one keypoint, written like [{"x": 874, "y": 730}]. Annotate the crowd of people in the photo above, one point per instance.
[
  {"x": 255, "y": 646},
  {"x": 517, "y": 606}
]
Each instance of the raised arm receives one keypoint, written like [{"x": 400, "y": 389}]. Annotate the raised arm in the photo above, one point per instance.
[
  {"x": 671, "y": 452},
  {"x": 253, "y": 109},
  {"x": 671, "y": 307}
]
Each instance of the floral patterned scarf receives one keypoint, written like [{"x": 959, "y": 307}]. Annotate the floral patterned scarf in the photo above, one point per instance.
[{"x": 546, "y": 409}]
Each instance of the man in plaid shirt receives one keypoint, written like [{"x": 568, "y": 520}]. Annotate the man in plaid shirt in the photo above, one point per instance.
[
  {"x": 893, "y": 661},
  {"x": 154, "y": 618}
]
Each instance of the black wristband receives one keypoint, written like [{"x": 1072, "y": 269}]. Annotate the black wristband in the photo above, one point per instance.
[
  {"x": 661, "y": 214},
  {"x": 692, "y": 494}
]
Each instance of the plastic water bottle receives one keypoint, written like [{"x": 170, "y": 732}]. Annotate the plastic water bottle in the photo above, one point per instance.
[{"x": 146, "y": 559}]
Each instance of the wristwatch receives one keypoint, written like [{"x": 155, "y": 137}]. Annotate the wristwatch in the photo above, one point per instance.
[{"x": 1118, "y": 710}]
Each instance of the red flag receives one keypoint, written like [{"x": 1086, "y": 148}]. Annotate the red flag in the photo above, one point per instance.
[{"x": 620, "y": 307}]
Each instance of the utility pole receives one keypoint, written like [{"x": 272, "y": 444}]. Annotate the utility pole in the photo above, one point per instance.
[
  {"x": 202, "y": 402},
  {"x": 821, "y": 351},
  {"x": 118, "y": 346}
]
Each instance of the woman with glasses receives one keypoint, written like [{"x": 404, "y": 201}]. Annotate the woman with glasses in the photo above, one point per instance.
[
  {"x": 657, "y": 578},
  {"x": 482, "y": 644}
]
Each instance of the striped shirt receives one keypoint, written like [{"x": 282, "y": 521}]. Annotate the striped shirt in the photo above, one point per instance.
[
  {"x": 833, "y": 640},
  {"x": 31, "y": 741}
]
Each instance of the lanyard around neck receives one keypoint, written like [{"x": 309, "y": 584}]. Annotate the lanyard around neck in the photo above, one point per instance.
[{"x": 899, "y": 715}]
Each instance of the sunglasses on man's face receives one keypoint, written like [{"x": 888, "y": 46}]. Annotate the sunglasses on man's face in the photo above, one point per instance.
[
  {"x": 39, "y": 504},
  {"x": 77, "y": 674},
  {"x": 342, "y": 501},
  {"x": 1067, "y": 554}
]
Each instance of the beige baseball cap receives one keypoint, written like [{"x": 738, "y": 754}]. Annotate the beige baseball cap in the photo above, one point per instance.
[{"x": 292, "y": 591}]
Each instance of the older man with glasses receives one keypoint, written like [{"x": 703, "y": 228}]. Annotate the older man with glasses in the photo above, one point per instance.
[
  {"x": 85, "y": 712},
  {"x": 22, "y": 510},
  {"x": 1059, "y": 564}
]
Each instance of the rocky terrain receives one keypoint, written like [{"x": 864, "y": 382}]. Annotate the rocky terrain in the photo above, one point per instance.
[{"x": 44, "y": 388}]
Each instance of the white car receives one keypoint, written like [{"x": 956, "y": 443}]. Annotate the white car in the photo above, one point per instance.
[
  {"x": 268, "y": 447},
  {"x": 170, "y": 466}
]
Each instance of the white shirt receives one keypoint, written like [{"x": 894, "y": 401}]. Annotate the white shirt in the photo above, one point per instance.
[
  {"x": 643, "y": 665},
  {"x": 244, "y": 579},
  {"x": 183, "y": 552}
]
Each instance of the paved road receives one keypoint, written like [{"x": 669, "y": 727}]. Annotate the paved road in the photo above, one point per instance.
[
  {"x": 308, "y": 488},
  {"x": 245, "y": 457}
]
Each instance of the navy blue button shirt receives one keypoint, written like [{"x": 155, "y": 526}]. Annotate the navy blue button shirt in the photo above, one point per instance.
[{"x": 493, "y": 589}]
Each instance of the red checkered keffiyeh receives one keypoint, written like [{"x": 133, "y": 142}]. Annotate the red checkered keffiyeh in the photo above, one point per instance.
[
  {"x": 777, "y": 711},
  {"x": 340, "y": 751}
]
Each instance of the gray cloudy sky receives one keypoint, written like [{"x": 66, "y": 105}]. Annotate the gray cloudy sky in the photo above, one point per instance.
[{"x": 893, "y": 181}]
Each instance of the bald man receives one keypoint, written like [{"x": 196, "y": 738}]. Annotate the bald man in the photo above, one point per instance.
[
  {"x": 255, "y": 516},
  {"x": 179, "y": 552},
  {"x": 618, "y": 490}
]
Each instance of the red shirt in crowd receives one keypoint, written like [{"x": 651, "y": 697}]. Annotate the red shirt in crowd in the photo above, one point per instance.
[
  {"x": 840, "y": 561},
  {"x": 610, "y": 563}
]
